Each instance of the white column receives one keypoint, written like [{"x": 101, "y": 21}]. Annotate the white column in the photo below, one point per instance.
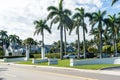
[
  {"x": 6, "y": 52},
  {"x": 27, "y": 53},
  {"x": 42, "y": 52}
]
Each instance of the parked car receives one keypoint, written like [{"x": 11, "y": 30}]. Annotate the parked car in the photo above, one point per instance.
[{"x": 70, "y": 56}]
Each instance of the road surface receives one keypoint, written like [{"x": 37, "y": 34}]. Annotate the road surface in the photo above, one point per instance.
[{"x": 18, "y": 72}]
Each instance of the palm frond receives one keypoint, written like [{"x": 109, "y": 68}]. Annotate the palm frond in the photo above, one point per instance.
[
  {"x": 52, "y": 14},
  {"x": 89, "y": 15},
  {"x": 52, "y": 8},
  {"x": 67, "y": 12},
  {"x": 55, "y": 20},
  {"x": 47, "y": 28},
  {"x": 76, "y": 15},
  {"x": 114, "y": 1}
]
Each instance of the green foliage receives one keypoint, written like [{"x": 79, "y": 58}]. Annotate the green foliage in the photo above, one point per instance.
[
  {"x": 118, "y": 47},
  {"x": 11, "y": 57},
  {"x": 1, "y": 53},
  {"x": 29, "y": 41},
  {"x": 92, "y": 49},
  {"x": 53, "y": 55},
  {"x": 37, "y": 55},
  {"x": 49, "y": 55},
  {"x": 107, "y": 49}
]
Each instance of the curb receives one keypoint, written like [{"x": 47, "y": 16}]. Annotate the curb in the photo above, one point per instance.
[{"x": 110, "y": 68}]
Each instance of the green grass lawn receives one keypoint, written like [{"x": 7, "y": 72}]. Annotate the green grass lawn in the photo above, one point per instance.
[{"x": 65, "y": 63}]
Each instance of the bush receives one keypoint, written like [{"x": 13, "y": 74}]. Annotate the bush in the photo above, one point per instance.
[
  {"x": 1, "y": 53},
  {"x": 53, "y": 55},
  {"x": 92, "y": 49},
  {"x": 37, "y": 55},
  {"x": 11, "y": 57},
  {"x": 107, "y": 49},
  {"x": 49, "y": 55}
]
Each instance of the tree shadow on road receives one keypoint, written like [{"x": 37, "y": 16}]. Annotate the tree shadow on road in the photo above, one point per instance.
[
  {"x": 3, "y": 69},
  {"x": 2, "y": 79}
]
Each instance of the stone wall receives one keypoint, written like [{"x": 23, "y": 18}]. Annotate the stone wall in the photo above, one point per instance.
[{"x": 114, "y": 60}]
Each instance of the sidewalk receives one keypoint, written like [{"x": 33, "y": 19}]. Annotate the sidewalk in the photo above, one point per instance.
[{"x": 107, "y": 72}]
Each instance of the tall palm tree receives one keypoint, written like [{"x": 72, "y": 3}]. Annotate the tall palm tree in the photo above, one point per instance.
[
  {"x": 60, "y": 15},
  {"x": 40, "y": 26},
  {"x": 95, "y": 33},
  {"x": 13, "y": 39},
  {"x": 80, "y": 21},
  {"x": 4, "y": 38},
  {"x": 114, "y": 1},
  {"x": 98, "y": 21},
  {"x": 113, "y": 29}
]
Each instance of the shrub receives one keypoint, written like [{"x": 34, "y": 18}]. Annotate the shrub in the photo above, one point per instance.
[
  {"x": 92, "y": 49},
  {"x": 1, "y": 53},
  {"x": 11, "y": 57},
  {"x": 37, "y": 55},
  {"x": 53, "y": 55},
  {"x": 107, "y": 49},
  {"x": 49, "y": 55}
]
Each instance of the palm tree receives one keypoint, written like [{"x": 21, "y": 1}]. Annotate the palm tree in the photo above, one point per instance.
[
  {"x": 4, "y": 38},
  {"x": 113, "y": 29},
  {"x": 59, "y": 15},
  {"x": 29, "y": 42},
  {"x": 40, "y": 26},
  {"x": 98, "y": 21},
  {"x": 13, "y": 39},
  {"x": 114, "y": 1},
  {"x": 96, "y": 36},
  {"x": 80, "y": 21}
]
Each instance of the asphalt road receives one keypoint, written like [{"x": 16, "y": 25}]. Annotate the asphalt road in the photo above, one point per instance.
[{"x": 17, "y": 72}]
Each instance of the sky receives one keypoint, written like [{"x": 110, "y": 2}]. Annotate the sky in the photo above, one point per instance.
[{"x": 17, "y": 16}]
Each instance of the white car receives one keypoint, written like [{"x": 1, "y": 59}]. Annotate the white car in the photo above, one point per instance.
[{"x": 70, "y": 56}]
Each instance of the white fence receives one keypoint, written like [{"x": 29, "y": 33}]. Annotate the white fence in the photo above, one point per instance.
[
  {"x": 114, "y": 60},
  {"x": 52, "y": 61},
  {"x": 39, "y": 61}
]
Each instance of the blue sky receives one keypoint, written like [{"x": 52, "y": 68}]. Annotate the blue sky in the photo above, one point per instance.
[{"x": 17, "y": 16}]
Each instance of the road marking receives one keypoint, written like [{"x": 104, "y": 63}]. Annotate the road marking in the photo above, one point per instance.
[{"x": 59, "y": 74}]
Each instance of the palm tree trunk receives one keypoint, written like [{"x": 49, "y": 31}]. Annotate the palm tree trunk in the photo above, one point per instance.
[
  {"x": 43, "y": 48},
  {"x": 100, "y": 34},
  {"x": 84, "y": 47},
  {"x": 65, "y": 40},
  {"x": 115, "y": 46},
  {"x": 78, "y": 44},
  {"x": 61, "y": 42}
]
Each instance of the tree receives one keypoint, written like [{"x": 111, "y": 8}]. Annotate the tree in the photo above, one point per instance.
[
  {"x": 59, "y": 15},
  {"x": 40, "y": 26},
  {"x": 92, "y": 49},
  {"x": 4, "y": 38},
  {"x": 94, "y": 31},
  {"x": 29, "y": 42},
  {"x": 80, "y": 21},
  {"x": 98, "y": 21},
  {"x": 113, "y": 29},
  {"x": 14, "y": 39}
]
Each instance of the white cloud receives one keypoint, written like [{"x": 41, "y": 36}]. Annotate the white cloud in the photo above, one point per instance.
[{"x": 17, "y": 16}]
